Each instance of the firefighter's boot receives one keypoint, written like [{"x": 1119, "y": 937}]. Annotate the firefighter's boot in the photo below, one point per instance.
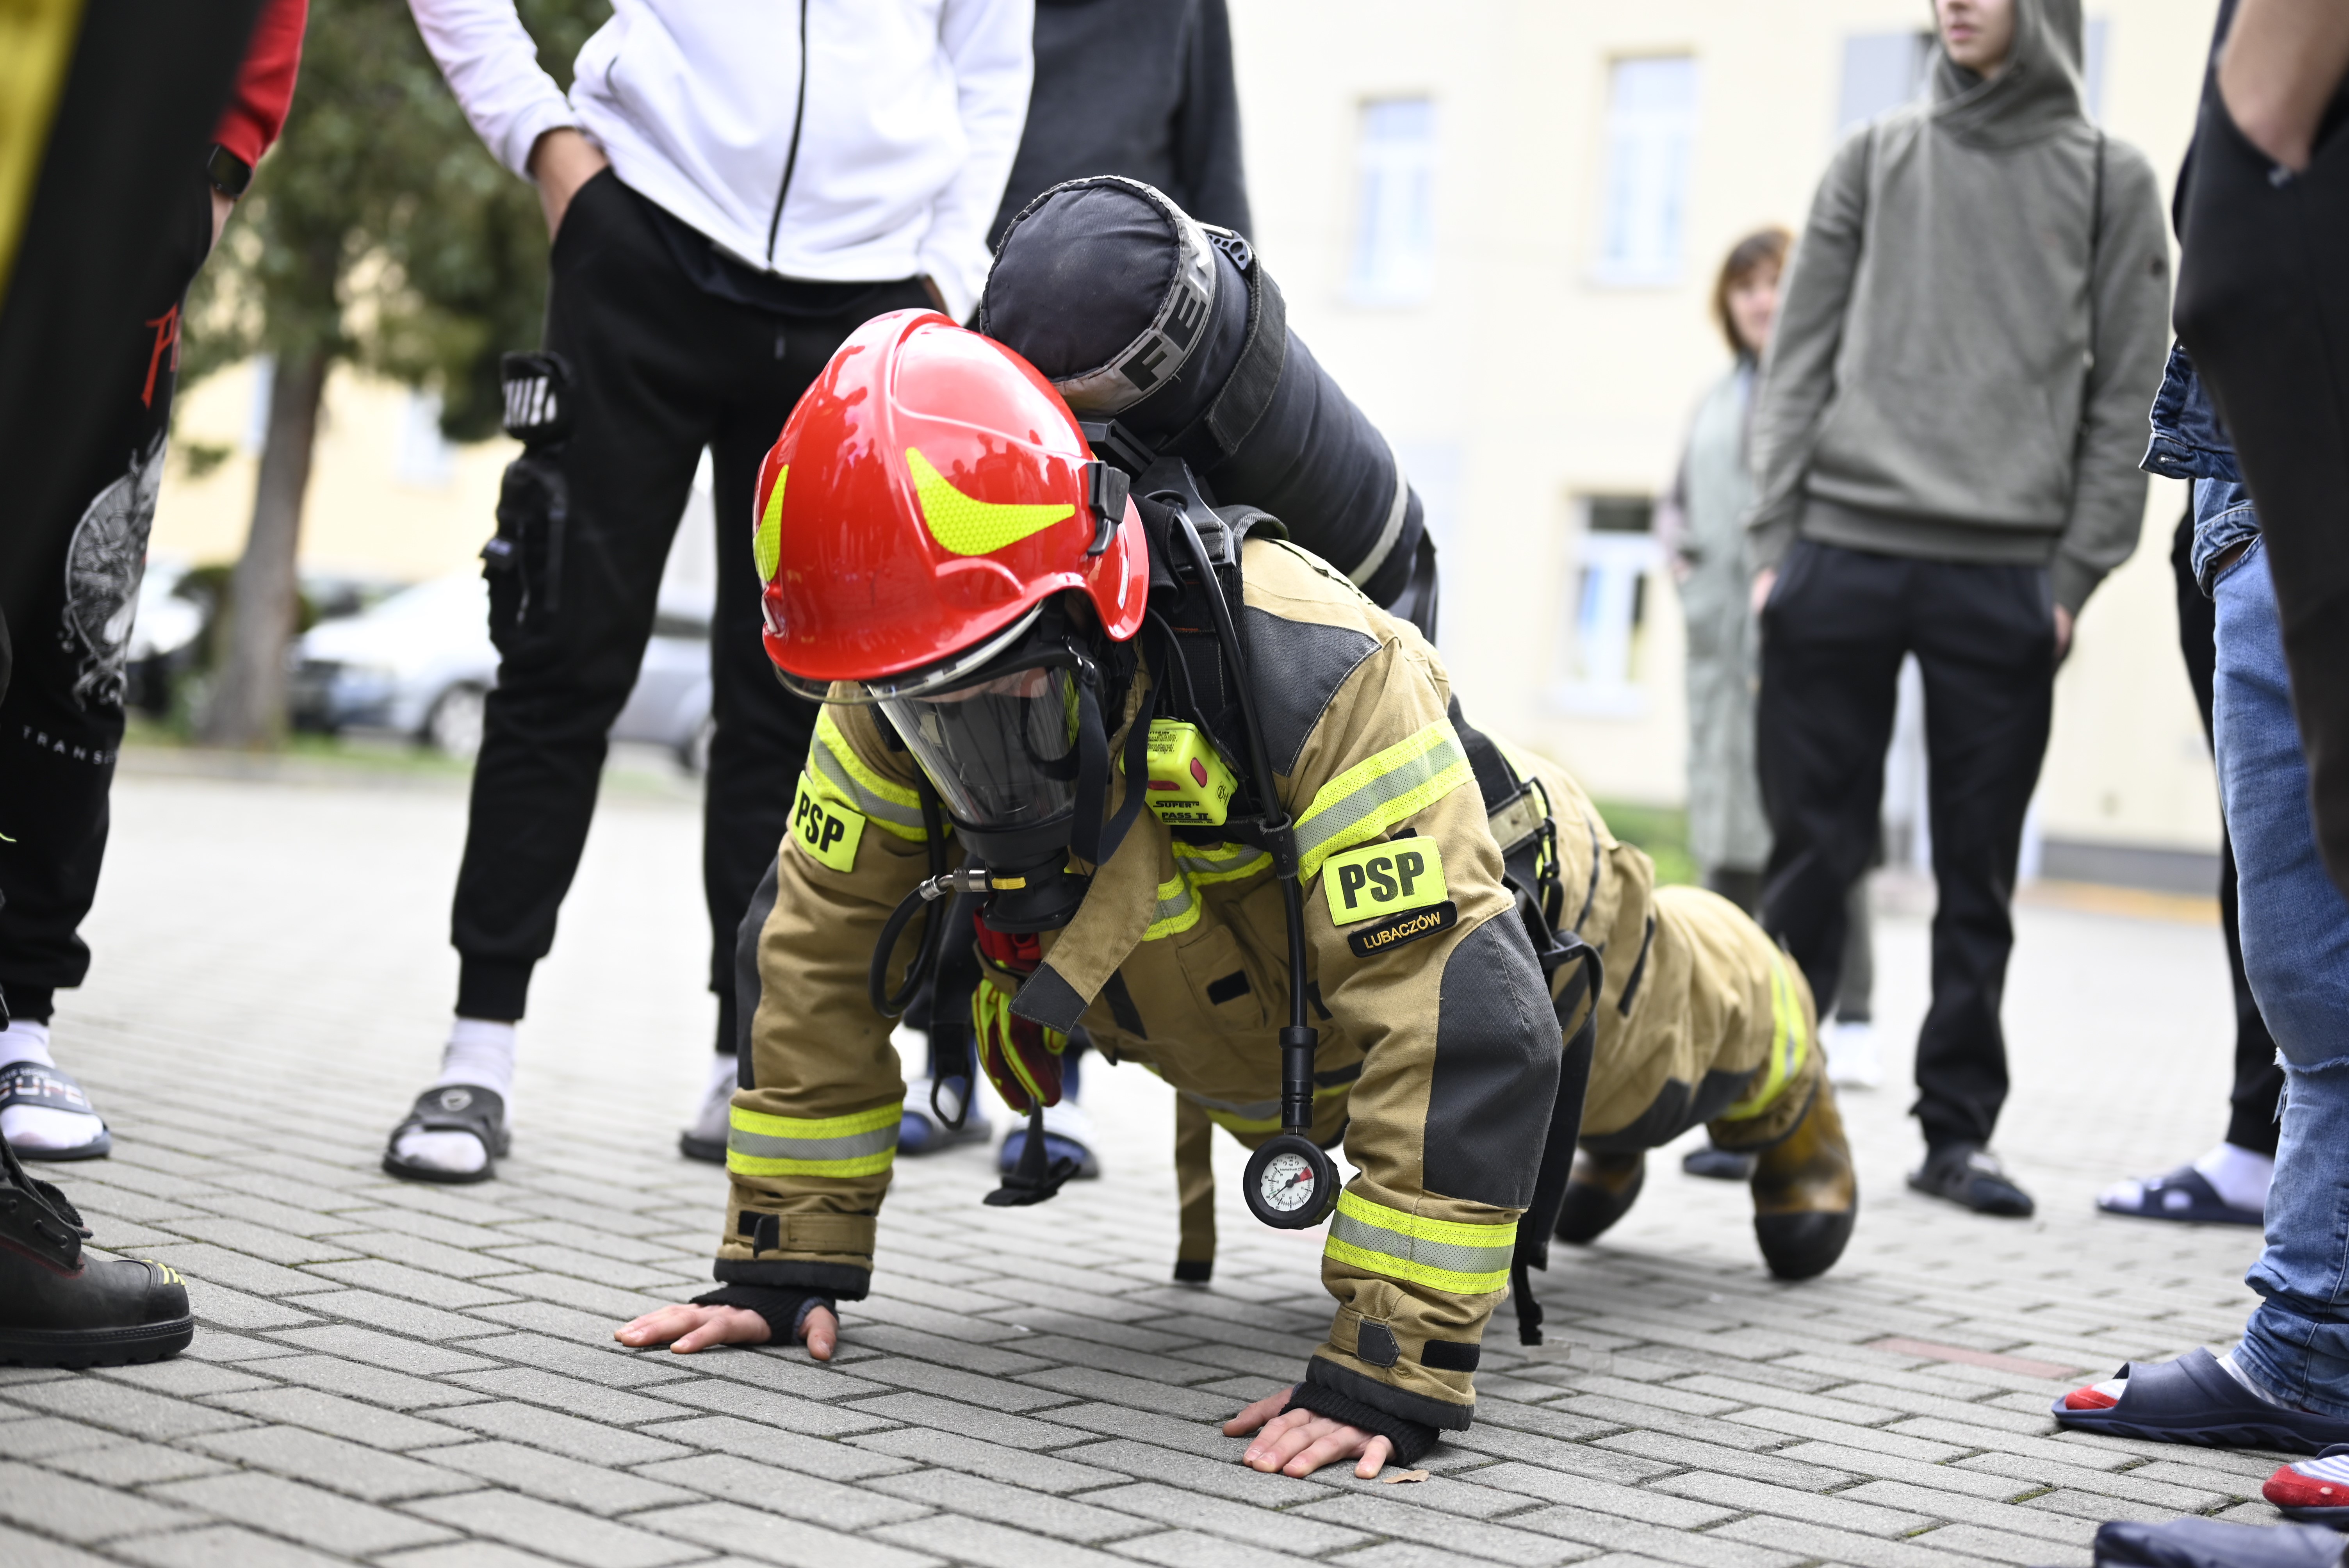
[
  {"x": 61, "y": 1308},
  {"x": 1805, "y": 1195},
  {"x": 1599, "y": 1190}
]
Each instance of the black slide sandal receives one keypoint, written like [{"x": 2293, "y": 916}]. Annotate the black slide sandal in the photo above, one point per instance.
[
  {"x": 29, "y": 1083},
  {"x": 455, "y": 1108}
]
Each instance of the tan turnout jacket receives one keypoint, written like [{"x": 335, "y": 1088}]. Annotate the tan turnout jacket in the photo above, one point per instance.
[{"x": 1439, "y": 1046}]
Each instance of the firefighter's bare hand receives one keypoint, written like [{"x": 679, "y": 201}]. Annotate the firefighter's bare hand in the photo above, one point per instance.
[
  {"x": 686, "y": 1329},
  {"x": 1298, "y": 1442}
]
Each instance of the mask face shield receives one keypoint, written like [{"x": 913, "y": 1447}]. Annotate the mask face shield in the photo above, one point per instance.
[{"x": 1003, "y": 751}]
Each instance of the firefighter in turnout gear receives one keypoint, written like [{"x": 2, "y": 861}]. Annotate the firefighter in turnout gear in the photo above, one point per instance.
[{"x": 1213, "y": 806}]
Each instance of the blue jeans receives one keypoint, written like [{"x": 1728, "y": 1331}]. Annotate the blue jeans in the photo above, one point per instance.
[{"x": 2295, "y": 926}]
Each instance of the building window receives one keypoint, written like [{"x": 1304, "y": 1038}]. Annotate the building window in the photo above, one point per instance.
[
  {"x": 1881, "y": 71},
  {"x": 1394, "y": 232},
  {"x": 2096, "y": 44},
  {"x": 1643, "y": 203},
  {"x": 1606, "y": 637}
]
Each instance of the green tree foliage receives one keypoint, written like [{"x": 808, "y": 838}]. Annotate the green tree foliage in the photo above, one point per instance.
[{"x": 381, "y": 231}]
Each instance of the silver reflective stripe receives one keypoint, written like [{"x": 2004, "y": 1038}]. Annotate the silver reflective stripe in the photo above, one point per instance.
[
  {"x": 1255, "y": 1110},
  {"x": 821, "y": 759},
  {"x": 1396, "y": 510},
  {"x": 1446, "y": 1256},
  {"x": 1330, "y": 822},
  {"x": 760, "y": 1146}
]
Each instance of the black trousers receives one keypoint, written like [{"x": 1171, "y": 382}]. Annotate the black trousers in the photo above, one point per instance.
[
  {"x": 2263, "y": 306},
  {"x": 1833, "y": 637},
  {"x": 2258, "y": 1082},
  {"x": 659, "y": 368},
  {"x": 61, "y": 719}
]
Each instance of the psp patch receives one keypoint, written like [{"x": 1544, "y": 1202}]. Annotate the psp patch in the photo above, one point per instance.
[
  {"x": 1397, "y": 929},
  {"x": 828, "y": 830},
  {"x": 1383, "y": 878}
]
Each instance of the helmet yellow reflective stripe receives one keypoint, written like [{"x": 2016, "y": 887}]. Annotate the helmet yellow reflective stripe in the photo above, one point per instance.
[
  {"x": 970, "y": 527},
  {"x": 1467, "y": 1260},
  {"x": 767, "y": 544},
  {"x": 860, "y": 1144},
  {"x": 1380, "y": 791}
]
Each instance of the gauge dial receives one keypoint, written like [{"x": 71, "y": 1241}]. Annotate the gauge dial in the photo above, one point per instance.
[{"x": 1286, "y": 1183}]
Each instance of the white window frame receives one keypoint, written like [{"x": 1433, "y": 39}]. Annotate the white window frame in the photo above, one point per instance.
[
  {"x": 1647, "y": 164},
  {"x": 1392, "y": 256}
]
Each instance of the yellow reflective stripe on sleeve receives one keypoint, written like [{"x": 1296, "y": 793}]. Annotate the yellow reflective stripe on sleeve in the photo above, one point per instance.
[
  {"x": 892, "y": 807},
  {"x": 1790, "y": 1045},
  {"x": 1206, "y": 864},
  {"x": 1467, "y": 1260},
  {"x": 1380, "y": 791},
  {"x": 862, "y": 1144},
  {"x": 1177, "y": 911}
]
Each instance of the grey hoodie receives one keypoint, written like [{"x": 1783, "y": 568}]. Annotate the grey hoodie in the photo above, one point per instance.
[{"x": 1947, "y": 379}]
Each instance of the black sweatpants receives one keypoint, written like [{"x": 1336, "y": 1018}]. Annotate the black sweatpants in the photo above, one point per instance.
[
  {"x": 659, "y": 368},
  {"x": 1834, "y": 633},
  {"x": 2263, "y": 307},
  {"x": 61, "y": 719},
  {"x": 2258, "y": 1082}
]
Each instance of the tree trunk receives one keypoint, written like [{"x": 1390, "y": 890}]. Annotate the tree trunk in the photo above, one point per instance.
[{"x": 248, "y": 706}]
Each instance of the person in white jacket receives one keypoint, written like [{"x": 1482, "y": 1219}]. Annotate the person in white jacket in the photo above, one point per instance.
[{"x": 732, "y": 188}]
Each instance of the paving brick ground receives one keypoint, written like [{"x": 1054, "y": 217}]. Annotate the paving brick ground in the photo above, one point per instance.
[{"x": 423, "y": 1377}]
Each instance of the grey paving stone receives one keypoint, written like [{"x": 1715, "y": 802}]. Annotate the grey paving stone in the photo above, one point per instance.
[
  {"x": 1944, "y": 1478},
  {"x": 217, "y": 1307},
  {"x": 595, "y": 1442},
  {"x": 588, "y": 1265},
  {"x": 371, "y": 1384},
  {"x": 786, "y": 1371},
  {"x": 223, "y": 1348},
  {"x": 564, "y": 1534},
  {"x": 1215, "y": 1477},
  {"x": 1677, "y": 1449},
  {"x": 775, "y": 1447},
  {"x": 385, "y": 1277},
  {"x": 2082, "y": 1455},
  {"x": 1572, "y": 1458},
  {"x": 1268, "y": 1528},
  {"x": 367, "y": 1473},
  {"x": 990, "y": 1360},
  {"x": 310, "y": 1514},
  {"x": 1116, "y": 1388},
  {"x": 583, "y": 1295},
  {"x": 754, "y": 1403},
  {"x": 992, "y": 1546},
  {"x": 130, "y": 1463},
  {"x": 2012, "y": 1518},
  {"x": 989, "y": 1393},
  {"x": 350, "y": 1343},
  {"x": 466, "y": 1554},
  {"x": 181, "y": 1378},
  {"x": 1649, "y": 1541},
  {"x": 77, "y": 1511},
  {"x": 553, "y": 1478},
  {"x": 117, "y": 1408},
  {"x": 1656, "y": 1420},
  {"x": 819, "y": 1502},
  {"x": 1999, "y": 1546},
  {"x": 395, "y": 1313},
  {"x": 221, "y": 1546},
  {"x": 568, "y": 1394},
  {"x": 1064, "y": 1519},
  {"x": 2096, "y": 1509},
  {"x": 238, "y": 1271},
  {"x": 770, "y": 1538},
  {"x": 1839, "y": 1546},
  {"x": 2185, "y": 1500},
  {"x": 250, "y": 1240},
  {"x": 552, "y": 1318},
  {"x": 18, "y": 1550},
  {"x": 442, "y": 1229},
  {"x": 614, "y": 1368},
  {"x": 1542, "y": 1419},
  {"x": 1203, "y": 1438},
  {"x": 1038, "y": 1472},
  {"x": 1651, "y": 1504},
  {"x": 1759, "y": 1497},
  {"x": 1497, "y": 1543},
  {"x": 1439, "y": 1493},
  {"x": 333, "y": 1414},
  {"x": 947, "y": 1415},
  {"x": 422, "y": 1253},
  {"x": 1409, "y": 1554}
]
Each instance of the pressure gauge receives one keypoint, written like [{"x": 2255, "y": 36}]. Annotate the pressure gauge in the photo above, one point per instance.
[{"x": 1290, "y": 1183}]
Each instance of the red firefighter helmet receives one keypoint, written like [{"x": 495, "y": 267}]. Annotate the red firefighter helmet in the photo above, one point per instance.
[{"x": 930, "y": 491}]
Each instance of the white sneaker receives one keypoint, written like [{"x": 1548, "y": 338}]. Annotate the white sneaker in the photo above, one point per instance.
[
  {"x": 1853, "y": 1061},
  {"x": 921, "y": 1131},
  {"x": 706, "y": 1139}
]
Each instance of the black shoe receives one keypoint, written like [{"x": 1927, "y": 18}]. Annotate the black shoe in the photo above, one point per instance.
[
  {"x": 58, "y": 1309},
  {"x": 1601, "y": 1190},
  {"x": 1719, "y": 1164},
  {"x": 1970, "y": 1175}
]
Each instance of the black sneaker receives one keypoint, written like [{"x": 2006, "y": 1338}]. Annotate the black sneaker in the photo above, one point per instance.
[
  {"x": 1970, "y": 1175},
  {"x": 58, "y": 1309}
]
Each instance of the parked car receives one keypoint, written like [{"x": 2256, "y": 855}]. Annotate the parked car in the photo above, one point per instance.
[{"x": 420, "y": 664}]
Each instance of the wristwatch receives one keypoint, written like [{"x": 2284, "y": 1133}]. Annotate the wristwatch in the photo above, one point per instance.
[{"x": 229, "y": 173}]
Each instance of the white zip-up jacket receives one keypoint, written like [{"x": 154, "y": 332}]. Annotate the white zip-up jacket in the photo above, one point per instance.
[{"x": 838, "y": 140}]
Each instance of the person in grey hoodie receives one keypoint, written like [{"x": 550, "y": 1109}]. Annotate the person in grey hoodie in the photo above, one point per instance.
[{"x": 1945, "y": 444}]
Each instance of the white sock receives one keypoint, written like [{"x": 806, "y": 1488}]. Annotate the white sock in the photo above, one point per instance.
[
  {"x": 2240, "y": 1176},
  {"x": 715, "y": 1117},
  {"x": 480, "y": 1054},
  {"x": 40, "y": 1126}
]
